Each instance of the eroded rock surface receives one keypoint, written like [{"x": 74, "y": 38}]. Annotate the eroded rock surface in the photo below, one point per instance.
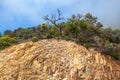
[{"x": 52, "y": 59}]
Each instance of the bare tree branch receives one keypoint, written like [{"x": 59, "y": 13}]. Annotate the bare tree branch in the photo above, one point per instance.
[{"x": 54, "y": 19}]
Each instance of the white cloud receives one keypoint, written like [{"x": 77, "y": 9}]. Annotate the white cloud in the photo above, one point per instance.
[{"x": 34, "y": 10}]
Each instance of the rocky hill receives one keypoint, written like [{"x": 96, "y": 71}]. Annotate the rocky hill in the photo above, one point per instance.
[{"x": 53, "y": 59}]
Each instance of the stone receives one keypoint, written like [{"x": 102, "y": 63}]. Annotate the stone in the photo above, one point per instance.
[{"x": 52, "y": 59}]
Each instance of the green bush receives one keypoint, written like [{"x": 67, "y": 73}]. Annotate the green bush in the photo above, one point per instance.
[
  {"x": 6, "y": 41},
  {"x": 115, "y": 55},
  {"x": 34, "y": 39},
  {"x": 54, "y": 32},
  {"x": 87, "y": 45},
  {"x": 66, "y": 37}
]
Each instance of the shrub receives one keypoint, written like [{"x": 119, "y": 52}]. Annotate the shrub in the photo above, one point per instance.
[
  {"x": 6, "y": 41},
  {"x": 34, "y": 39},
  {"x": 115, "y": 55},
  {"x": 54, "y": 32},
  {"x": 66, "y": 37}
]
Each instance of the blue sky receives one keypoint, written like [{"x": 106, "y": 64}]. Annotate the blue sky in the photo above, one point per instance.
[{"x": 28, "y": 13}]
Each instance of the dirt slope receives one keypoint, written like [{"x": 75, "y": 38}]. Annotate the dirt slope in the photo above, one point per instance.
[{"x": 52, "y": 59}]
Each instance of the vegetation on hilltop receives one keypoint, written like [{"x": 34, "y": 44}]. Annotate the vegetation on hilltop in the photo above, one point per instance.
[{"x": 85, "y": 30}]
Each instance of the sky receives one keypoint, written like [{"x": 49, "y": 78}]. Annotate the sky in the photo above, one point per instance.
[{"x": 29, "y": 13}]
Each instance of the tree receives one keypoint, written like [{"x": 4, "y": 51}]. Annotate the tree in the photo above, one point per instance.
[
  {"x": 99, "y": 25},
  {"x": 53, "y": 32},
  {"x": 54, "y": 19},
  {"x": 71, "y": 29},
  {"x": 116, "y": 33},
  {"x": 75, "y": 18},
  {"x": 9, "y": 32},
  {"x": 25, "y": 34},
  {"x": 44, "y": 31},
  {"x": 44, "y": 28},
  {"x": 90, "y": 19},
  {"x": 38, "y": 31}
]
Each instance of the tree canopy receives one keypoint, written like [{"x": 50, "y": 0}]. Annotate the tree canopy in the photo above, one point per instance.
[{"x": 85, "y": 30}]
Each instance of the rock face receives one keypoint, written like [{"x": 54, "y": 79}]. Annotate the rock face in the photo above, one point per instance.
[{"x": 52, "y": 59}]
